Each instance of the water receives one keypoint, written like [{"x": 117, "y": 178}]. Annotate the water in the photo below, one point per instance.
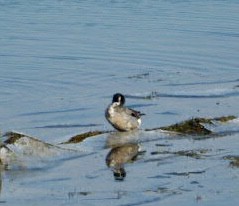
[{"x": 61, "y": 61}]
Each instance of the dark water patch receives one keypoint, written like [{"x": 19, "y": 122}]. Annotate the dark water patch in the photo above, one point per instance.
[
  {"x": 139, "y": 76},
  {"x": 152, "y": 200},
  {"x": 167, "y": 113},
  {"x": 197, "y": 96},
  {"x": 53, "y": 111},
  {"x": 161, "y": 194},
  {"x": 160, "y": 177},
  {"x": 155, "y": 159},
  {"x": 66, "y": 58},
  {"x": 57, "y": 179},
  {"x": 163, "y": 145},
  {"x": 141, "y": 105},
  {"x": 185, "y": 173},
  {"x": 67, "y": 126},
  {"x": 155, "y": 94},
  {"x": 164, "y": 190},
  {"x": 217, "y": 135},
  {"x": 194, "y": 182},
  {"x": 150, "y": 96},
  {"x": 212, "y": 33},
  {"x": 204, "y": 83},
  {"x": 197, "y": 154},
  {"x": 75, "y": 194}
]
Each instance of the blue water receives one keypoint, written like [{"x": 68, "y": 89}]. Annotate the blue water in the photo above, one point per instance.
[{"x": 61, "y": 61}]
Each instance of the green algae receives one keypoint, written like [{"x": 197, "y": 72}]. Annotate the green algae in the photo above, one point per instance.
[
  {"x": 80, "y": 137},
  {"x": 234, "y": 160},
  {"x": 194, "y": 126},
  {"x": 225, "y": 118},
  {"x": 13, "y": 137},
  {"x": 191, "y": 127}
]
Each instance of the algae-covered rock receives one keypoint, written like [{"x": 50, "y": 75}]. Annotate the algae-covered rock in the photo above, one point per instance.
[
  {"x": 23, "y": 151},
  {"x": 191, "y": 127},
  {"x": 6, "y": 157},
  {"x": 13, "y": 137},
  {"x": 194, "y": 126},
  {"x": 225, "y": 118},
  {"x": 80, "y": 137},
  {"x": 27, "y": 144},
  {"x": 196, "y": 154}
]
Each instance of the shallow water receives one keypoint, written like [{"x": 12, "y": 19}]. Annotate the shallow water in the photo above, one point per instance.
[{"x": 60, "y": 63}]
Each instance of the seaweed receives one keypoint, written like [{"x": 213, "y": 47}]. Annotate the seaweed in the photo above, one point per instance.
[
  {"x": 194, "y": 126},
  {"x": 234, "y": 160},
  {"x": 191, "y": 127},
  {"x": 225, "y": 118},
  {"x": 80, "y": 137},
  {"x": 13, "y": 137}
]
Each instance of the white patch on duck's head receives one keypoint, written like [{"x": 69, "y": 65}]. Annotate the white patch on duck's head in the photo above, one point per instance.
[{"x": 139, "y": 121}]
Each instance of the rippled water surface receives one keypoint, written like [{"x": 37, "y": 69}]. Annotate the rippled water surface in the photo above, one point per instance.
[{"x": 60, "y": 63}]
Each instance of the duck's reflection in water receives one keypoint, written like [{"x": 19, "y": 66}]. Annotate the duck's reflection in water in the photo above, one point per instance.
[
  {"x": 122, "y": 152},
  {"x": 121, "y": 138}
]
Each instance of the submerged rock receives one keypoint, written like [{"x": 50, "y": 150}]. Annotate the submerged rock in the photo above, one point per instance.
[
  {"x": 28, "y": 145},
  {"x": 13, "y": 137},
  {"x": 22, "y": 151},
  {"x": 6, "y": 157}
]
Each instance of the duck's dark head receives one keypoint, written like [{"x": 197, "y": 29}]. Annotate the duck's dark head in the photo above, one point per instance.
[{"x": 118, "y": 98}]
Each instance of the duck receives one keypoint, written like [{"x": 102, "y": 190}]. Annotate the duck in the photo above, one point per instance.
[{"x": 121, "y": 117}]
